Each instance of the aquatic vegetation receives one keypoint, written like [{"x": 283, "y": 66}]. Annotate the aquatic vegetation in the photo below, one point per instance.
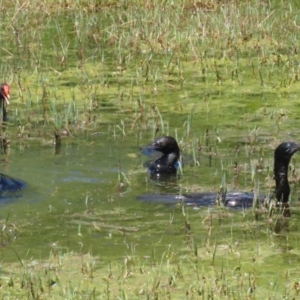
[{"x": 93, "y": 80}]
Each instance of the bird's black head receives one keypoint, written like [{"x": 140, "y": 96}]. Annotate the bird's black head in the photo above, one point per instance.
[
  {"x": 285, "y": 151},
  {"x": 165, "y": 144}
]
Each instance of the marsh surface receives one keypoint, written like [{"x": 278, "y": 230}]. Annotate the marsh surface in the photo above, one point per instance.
[{"x": 223, "y": 81}]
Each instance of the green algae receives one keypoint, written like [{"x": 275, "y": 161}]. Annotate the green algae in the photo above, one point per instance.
[{"x": 221, "y": 77}]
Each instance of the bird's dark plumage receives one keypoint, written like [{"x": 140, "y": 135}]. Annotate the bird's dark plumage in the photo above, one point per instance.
[
  {"x": 9, "y": 184},
  {"x": 282, "y": 157},
  {"x": 4, "y": 99},
  {"x": 168, "y": 162}
]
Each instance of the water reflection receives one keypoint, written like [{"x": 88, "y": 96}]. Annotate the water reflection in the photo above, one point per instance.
[
  {"x": 164, "y": 183},
  {"x": 233, "y": 200}
]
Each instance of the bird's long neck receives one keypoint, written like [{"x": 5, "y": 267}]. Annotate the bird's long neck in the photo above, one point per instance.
[
  {"x": 4, "y": 114},
  {"x": 169, "y": 159},
  {"x": 166, "y": 163},
  {"x": 172, "y": 158},
  {"x": 282, "y": 190}
]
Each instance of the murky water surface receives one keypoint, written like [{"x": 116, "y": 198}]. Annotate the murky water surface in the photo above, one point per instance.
[
  {"x": 74, "y": 201},
  {"x": 112, "y": 100}
]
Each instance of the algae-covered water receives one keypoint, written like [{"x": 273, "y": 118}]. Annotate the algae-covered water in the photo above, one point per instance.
[{"x": 222, "y": 79}]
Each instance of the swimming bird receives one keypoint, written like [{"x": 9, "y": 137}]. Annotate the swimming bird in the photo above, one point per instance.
[
  {"x": 4, "y": 99},
  {"x": 168, "y": 163},
  {"x": 282, "y": 157},
  {"x": 9, "y": 184}
]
